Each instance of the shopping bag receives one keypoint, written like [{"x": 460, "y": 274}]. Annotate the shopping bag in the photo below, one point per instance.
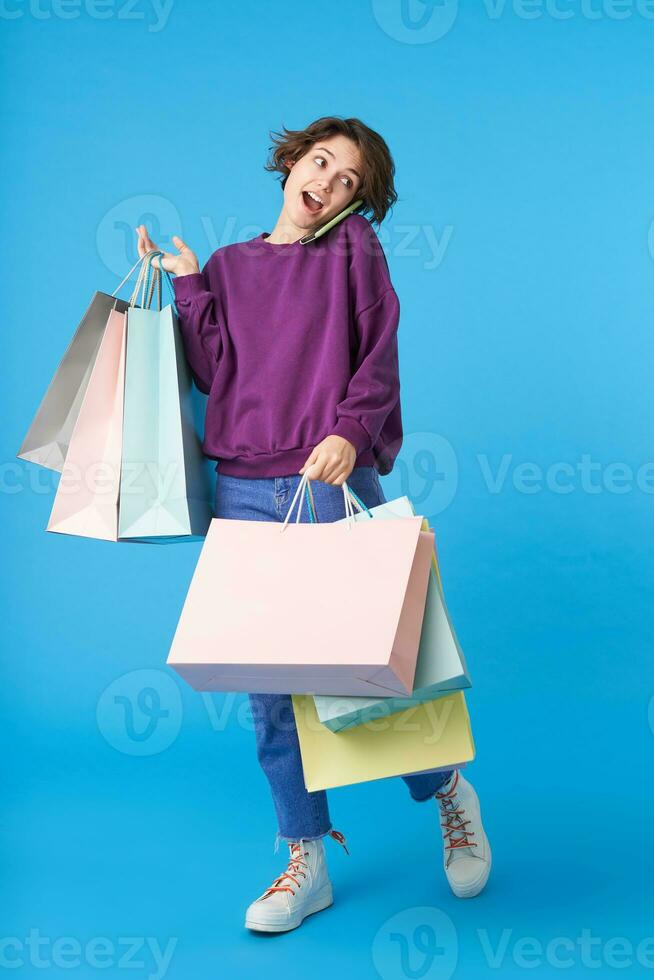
[
  {"x": 428, "y": 736},
  {"x": 86, "y": 502},
  {"x": 165, "y": 488},
  {"x": 48, "y": 437},
  {"x": 441, "y": 666},
  {"x": 330, "y": 608}
]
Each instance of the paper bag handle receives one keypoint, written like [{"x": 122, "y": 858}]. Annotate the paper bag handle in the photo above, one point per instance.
[
  {"x": 143, "y": 285},
  {"x": 140, "y": 261},
  {"x": 147, "y": 281},
  {"x": 158, "y": 273},
  {"x": 350, "y": 499}
]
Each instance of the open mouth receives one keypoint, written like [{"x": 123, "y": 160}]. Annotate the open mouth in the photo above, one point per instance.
[{"x": 313, "y": 204}]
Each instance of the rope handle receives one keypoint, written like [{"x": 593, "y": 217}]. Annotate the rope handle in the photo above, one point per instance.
[
  {"x": 141, "y": 286},
  {"x": 303, "y": 490},
  {"x": 148, "y": 279},
  {"x": 151, "y": 281},
  {"x": 148, "y": 283},
  {"x": 311, "y": 506},
  {"x": 142, "y": 281},
  {"x": 160, "y": 273},
  {"x": 140, "y": 261}
]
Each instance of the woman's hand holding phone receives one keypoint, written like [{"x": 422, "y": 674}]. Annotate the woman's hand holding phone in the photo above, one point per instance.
[{"x": 184, "y": 264}]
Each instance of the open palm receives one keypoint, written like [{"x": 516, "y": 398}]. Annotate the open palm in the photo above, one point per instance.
[{"x": 185, "y": 263}]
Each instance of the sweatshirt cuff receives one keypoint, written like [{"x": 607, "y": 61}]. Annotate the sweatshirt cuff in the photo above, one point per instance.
[
  {"x": 348, "y": 428},
  {"x": 186, "y": 287}
]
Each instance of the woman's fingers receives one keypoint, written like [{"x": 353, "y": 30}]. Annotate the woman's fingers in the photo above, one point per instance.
[
  {"x": 310, "y": 461},
  {"x": 331, "y": 473},
  {"x": 338, "y": 478},
  {"x": 140, "y": 243},
  {"x": 334, "y": 470},
  {"x": 181, "y": 263},
  {"x": 145, "y": 243},
  {"x": 180, "y": 245}
]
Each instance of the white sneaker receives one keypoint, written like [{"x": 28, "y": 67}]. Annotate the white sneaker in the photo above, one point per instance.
[
  {"x": 304, "y": 888},
  {"x": 466, "y": 853}
]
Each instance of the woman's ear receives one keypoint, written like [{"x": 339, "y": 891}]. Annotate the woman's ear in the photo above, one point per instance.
[{"x": 288, "y": 163}]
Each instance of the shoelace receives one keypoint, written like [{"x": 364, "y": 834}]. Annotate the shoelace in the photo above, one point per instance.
[
  {"x": 454, "y": 823},
  {"x": 338, "y": 836},
  {"x": 296, "y": 865}
]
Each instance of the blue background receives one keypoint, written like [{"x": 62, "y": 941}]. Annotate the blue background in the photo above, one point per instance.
[{"x": 524, "y": 146}]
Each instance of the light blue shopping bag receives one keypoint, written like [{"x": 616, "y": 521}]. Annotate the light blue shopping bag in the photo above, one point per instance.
[{"x": 165, "y": 485}]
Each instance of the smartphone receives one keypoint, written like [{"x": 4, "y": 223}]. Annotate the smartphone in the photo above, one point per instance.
[{"x": 330, "y": 224}]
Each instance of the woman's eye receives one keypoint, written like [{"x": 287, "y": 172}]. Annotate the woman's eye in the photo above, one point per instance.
[{"x": 321, "y": 160}]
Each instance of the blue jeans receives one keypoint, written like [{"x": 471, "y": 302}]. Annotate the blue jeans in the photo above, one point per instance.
[{"x": 300, "y": 814}]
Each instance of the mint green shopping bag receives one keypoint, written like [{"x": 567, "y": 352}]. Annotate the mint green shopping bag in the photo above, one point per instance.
[
  {"x": 165, "y": 486},
  {"x": 441, "y": 668}
]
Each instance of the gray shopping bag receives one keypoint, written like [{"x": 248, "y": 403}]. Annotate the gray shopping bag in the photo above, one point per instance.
[{"x": 48, "y": 437}]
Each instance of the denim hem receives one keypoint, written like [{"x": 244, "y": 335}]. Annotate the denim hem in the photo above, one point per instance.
[
  {"x": 423, "y": 799},
  {"x": 432, "y": 794},
  {"x": 291, "y": 840}
]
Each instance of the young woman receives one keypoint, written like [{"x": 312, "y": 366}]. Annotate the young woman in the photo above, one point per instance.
[{"x": 295, "y": 343}]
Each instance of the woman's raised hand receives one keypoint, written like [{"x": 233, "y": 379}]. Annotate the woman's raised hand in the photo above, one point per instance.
[{"x": 184, "y": 264}]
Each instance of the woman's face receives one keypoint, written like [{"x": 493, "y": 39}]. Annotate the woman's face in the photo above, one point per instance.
[{"x": 331, "y": 170}]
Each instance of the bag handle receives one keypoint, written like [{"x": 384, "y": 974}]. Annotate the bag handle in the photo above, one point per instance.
[
  {"x": 160, "y": 273},
  {"x": 151, "y": 281},
  {"x": 350, "y": 498},
  {"x": 143, "y": 262},
  {"x": 140, "y": 261},
  {"x": 147, "y": 280},
  {"x": 143, "y": 285},
  {"x": 355, "y": 500}
]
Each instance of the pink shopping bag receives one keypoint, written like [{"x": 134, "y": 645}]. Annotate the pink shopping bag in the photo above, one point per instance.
[
  {"x": 305, "y": 608},
  {"x": 86, "y": 502}
]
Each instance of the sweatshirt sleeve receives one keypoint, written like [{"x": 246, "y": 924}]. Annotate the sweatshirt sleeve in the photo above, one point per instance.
[
  {"x": 196, "y": 305},
  {"x": 374, "y": 389}
]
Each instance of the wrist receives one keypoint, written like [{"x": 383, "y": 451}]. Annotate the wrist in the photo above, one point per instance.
[
  {"x": 353, "y": 432},
  {"x": 188, "y": 286},
  {"x": 337, "y": 435}
]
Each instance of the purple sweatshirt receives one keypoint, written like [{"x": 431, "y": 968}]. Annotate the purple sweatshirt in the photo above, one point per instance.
[{"x": 293, "y": 343}]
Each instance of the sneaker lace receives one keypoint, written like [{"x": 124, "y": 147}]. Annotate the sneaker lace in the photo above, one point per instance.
[
  {"x": 297, "y": 867},
  {"x": 339, "y": 838},
  {"x": 454, "y": 826}
]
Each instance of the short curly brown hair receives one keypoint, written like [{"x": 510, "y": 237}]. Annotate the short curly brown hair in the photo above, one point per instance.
[{"x": 377, "y": 186}]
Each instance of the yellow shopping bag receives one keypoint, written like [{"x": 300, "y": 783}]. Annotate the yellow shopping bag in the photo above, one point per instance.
[{"x": 432, "y": 735}]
